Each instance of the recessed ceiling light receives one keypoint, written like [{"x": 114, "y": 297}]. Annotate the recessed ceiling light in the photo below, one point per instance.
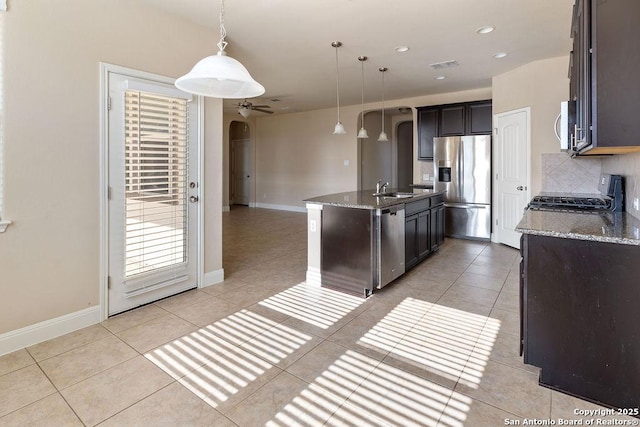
[
  {"x": 402, "y": 48},
  {"x": 485, "y": 30},
  {"x": 499, "y": 55},
  {"x": 440, "y": 77}
]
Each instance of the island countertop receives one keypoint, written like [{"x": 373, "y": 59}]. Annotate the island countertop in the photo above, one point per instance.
[
  {"x": 364, "y": 199},
  {"x": 619, "y": 227}
]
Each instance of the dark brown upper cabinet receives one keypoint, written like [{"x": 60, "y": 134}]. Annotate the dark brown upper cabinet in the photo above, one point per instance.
[
  {"x": 467, "y": 118},
  {"x": 603, "y": 71}
]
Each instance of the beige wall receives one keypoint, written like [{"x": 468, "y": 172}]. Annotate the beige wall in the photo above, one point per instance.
[
  {"x": 297, "y": 155},
  {"x": 49, "y": 256},
  {"x": 541, "y": 85}
]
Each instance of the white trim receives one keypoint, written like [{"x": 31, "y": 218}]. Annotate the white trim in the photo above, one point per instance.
[
  {"x": 314, "y": 206},
  {"x": 314, "y": 276},
  {"x": 226, "y": 208},
  {"x": 4, "y": 225},
  {"x": 52, "y": 328},
  {"x": 281, "y": 207},
  {"x": 213, "y": 278}
]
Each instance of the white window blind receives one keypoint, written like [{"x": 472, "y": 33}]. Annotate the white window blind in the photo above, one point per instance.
[{"x": 156, "y": 154}]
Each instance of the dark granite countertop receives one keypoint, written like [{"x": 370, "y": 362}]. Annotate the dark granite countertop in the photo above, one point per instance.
[
  {"x": 620, "y": 227},
  {"x": 365, "y": 200}
]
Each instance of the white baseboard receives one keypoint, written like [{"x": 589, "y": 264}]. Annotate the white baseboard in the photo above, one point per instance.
[
  {"x": 281, "y": 207},
  {"x": 212, "y": 278},
  {"x": 52, "y": 328},
  {"x": 314, "y": 277}
]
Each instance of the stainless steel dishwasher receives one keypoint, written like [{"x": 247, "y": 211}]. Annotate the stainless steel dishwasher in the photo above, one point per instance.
[{"x": 390, "y": 241}]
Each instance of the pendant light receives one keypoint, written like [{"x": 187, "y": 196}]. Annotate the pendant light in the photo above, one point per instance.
[
  {"x": 339, "y": 129},
  {"x": 220, "y": 76},
  {"x": 363, "y": 132},
  {"x": 383, "y": 136}
]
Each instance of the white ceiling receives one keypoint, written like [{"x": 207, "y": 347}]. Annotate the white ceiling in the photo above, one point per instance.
[{"x": 286, "y": 44}]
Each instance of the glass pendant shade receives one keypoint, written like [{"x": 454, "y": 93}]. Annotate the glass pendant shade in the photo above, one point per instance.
[
  {"x": 383, "y": 135},
  {"x": 363, "y": 132},
  {"x": 220, "y": 76},
  {"x": 339, "y": 129}
]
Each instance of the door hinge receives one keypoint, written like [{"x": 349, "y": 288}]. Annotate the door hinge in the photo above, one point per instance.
[
  {"x": 496, "y": 221},
  {"x": 108, "y": 282},
  {"x": 108, "y": 103},
  {"x": 495, "y": 130},
  {"x": 109, "y": 193}
]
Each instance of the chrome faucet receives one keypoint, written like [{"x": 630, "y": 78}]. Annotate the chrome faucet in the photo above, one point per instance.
[{"x": 380, "y": 187}]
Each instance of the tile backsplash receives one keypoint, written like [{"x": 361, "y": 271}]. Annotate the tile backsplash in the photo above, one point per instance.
[
  {"x": 561, "y": 173},
  {"x": 627, "y": 165}
]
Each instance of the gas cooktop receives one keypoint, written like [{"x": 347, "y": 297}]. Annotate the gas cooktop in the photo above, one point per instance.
[{"x": 570, "y": 203}]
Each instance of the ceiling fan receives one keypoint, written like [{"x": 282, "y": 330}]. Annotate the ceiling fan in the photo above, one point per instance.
[{"x": 245, "y": 107}]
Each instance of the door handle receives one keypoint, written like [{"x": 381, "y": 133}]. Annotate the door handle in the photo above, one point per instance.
[
  {"x": 194, "y": 199},
  {"x": 521, "y": 188}
]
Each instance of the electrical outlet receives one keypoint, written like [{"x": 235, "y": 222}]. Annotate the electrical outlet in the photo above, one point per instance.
[
  {"x": 346, "y": 163},
  {"x": 636, "y": 204},
  {"x": 636, "y": 232},
  {"x": 425, "y": 177},
  {"x": 312, "y": 225}
]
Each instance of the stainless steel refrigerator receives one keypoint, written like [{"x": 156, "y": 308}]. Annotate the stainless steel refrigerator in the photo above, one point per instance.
[{"x": 462, "y": 169}]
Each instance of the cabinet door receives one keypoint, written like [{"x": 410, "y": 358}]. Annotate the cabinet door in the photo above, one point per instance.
[
  {"x": 410, "y": 241},
  {"x": 582, "y": 130},
  {"x": 437, "y": 227},
  {"x": 452, "y": 120},
  {"x": 479, "y": 118},
  {"x": 427, "y": 130},
  {"x": 424, "y": 234}
]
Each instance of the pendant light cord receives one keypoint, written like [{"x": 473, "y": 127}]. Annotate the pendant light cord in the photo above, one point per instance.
[
  {"x": 338, "y": 81},
  {"x": 364, "y": 58},
  {"x": 222, "y": 44},
  {"x": 383, "y": 70}
]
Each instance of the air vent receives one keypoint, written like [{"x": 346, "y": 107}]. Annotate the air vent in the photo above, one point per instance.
[{"x": 444, "y": 64}]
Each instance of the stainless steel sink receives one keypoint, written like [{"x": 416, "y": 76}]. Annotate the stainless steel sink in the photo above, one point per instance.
[{"x": 395, "y": 195}]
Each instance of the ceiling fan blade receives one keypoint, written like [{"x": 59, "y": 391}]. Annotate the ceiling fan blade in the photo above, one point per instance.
[
  {"x": 260, "y": 106},
  {"x": 262, "y": 111}
]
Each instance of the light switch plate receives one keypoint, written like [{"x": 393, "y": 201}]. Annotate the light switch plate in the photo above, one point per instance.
[{"x": 346, "y": 162}]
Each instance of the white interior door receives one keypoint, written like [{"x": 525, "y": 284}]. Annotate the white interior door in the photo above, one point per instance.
[
  {"x": 153, "y": 191},
  {"x": 511, "y": 168},
  {"x": 241, "y": 160}
]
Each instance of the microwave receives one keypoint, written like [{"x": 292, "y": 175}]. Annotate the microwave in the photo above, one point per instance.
[{"x": 564, "y": 124}]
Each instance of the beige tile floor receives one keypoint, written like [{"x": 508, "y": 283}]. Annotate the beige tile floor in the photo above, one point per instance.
[{"x": 439, "y": 347}]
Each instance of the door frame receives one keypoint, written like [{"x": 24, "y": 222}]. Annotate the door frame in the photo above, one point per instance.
[
  {"x": 105, "y": 70},
  {"x": 495, "y": 207}
]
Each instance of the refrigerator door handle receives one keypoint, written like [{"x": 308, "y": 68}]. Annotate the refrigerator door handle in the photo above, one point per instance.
[
  {"x": 446, "y": 205},
  {"x": 461, "y": 168}
]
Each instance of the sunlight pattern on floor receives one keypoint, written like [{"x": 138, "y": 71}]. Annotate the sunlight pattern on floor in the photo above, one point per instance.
[
  {"x": 437, "y": 339},
  {"x": 210, "y": 362},
  {"x": 315, "y": 305},
  {"x": 441, "y": 341}
]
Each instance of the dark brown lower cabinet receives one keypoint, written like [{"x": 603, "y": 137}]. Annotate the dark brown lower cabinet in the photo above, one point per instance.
[
  {"x": 424, "y": 229},
  {"x": 580, "y": 317}
]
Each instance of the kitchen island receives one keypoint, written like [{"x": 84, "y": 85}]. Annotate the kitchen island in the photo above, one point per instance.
[
  {"x": 579, "y": 298},
  {"x": 358, "y": 242}
]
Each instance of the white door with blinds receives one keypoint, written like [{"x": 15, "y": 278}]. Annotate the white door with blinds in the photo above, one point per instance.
[{"x": 153, "y": 191}]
